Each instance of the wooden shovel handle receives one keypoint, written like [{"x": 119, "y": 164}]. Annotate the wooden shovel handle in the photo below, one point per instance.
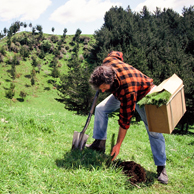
[{"x": 91, "y": 112}]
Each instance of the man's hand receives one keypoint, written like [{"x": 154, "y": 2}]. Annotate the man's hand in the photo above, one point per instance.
[
  {"x": 115, "y": 151},
  {"x": 116, "y": 148}
]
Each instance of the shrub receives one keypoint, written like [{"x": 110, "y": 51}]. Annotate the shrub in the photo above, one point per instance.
[
  {"x": 54, "y": 39},
  {"x": 85, "y": 47},
  {"x": 23, "y": 40},
  {"x": 14, "y": 48},
  {"x": 14, "y": 39},
  {"x": 42, "y": 54},
  {"x": 46, "y": 46},
  {"x": 34, "y": 61},
  {"x": 87, "y": 53},
  {"x": 60, "y": 56},
  {"x": 24, "y": 51},
  {"x": 67, "y": 47},
  {"x": 16, "y": 60},
  {"x": 63, "y": 50},
  {"x": 11, "y": 92},
  {"x": 1, "y": 58},
  {"x": 17, "y": 44},
  {"x": 9, "y": 60},
  {"x": 81, "y": 57},
  {"x": 52, "y": 49},
  {"x": 2, "y": 50},
  {"x": 22, "y": 94},
  {"x": 86, "y": 40},
  {"x": 56, "y": 52}
]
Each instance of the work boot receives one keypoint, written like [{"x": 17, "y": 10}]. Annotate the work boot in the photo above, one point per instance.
[
  {"x": 162, "y": 175},
  {"x": 98, "y": 145}
]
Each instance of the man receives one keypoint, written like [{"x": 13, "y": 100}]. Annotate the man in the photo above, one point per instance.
[{"x": 127, "y": 85}]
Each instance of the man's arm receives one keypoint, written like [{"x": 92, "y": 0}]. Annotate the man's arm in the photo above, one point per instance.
[{"x": 120, "y": 138}]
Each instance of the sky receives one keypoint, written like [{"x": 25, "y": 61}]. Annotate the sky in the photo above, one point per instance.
[{"x": 86, "y": 15}]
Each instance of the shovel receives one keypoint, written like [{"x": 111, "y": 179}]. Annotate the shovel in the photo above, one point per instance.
[{"x": 80, "y": 138}]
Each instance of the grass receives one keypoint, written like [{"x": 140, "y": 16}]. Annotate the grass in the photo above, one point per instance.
[{"x": 36, "y": 157}]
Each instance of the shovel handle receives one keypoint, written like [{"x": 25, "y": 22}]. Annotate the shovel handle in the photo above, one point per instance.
[{"x": 90, "y": 113}]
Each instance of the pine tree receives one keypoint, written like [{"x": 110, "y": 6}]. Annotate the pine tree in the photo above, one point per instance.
[
  {"x": 13, "y": 67},
  {"x": 74, "y": 88},
  {"x": 55, "y": 72}
]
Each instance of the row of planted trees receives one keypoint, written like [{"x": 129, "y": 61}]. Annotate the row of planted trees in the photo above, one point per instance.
[{"x": 16, "y": 26}]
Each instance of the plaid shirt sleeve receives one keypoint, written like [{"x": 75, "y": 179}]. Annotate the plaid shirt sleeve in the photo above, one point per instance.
[{"x": 132, "y": 84}]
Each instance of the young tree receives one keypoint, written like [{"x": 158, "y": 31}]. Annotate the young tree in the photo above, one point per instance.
[
  {"x": 76, "y": 49},
  {"x": 34, "y": 62},
  {"x": 24, "y": 51},
  {"x": 33, "y": 30},
  {"x": 25, "y": 25},
  {"x": 39, "y": 28},
  {"x": 9, "y": 41},
  {"x": 30, "y": 25},
  {"x": 22, "y": 95},
  {"x": 77, "y": 35},
  {"x": 53, "y": 29},
  {"x": 13, "y": 67},
  {"x": 21, "y": 24},
  {"x": 33, "y": 77},
  {"x": 55, "y": 72},
  {"x": 42, "y": 53},
  {"x": 11, "y": 92},
  {"x": 64, "y": 33},
  {"x": 5, "y": 31},
  {"x": 15, "y": 27}
]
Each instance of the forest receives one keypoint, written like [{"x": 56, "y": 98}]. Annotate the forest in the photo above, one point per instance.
[{"x": 159, "y": 44}]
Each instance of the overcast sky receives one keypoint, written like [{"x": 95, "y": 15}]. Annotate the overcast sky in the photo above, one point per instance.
[{"x": 87, "y": 15}]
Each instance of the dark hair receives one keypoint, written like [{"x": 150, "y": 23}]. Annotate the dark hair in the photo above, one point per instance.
[{"x": 102, "y": 75}]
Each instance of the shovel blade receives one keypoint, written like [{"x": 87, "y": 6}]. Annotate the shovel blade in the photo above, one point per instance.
[{"x": 79, "y": 141}]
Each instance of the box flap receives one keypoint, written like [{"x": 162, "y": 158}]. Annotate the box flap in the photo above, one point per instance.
[{"x": 171, "y": 84}]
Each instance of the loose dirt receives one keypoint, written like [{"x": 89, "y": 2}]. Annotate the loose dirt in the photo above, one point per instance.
[{"x": 134, "y": 171}]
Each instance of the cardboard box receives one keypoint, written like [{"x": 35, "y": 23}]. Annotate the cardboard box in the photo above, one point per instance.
[{"x": 165, "y": 118}]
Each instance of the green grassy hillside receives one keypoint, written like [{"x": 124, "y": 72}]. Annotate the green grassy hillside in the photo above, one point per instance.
[{"x": 62, "y": 52}]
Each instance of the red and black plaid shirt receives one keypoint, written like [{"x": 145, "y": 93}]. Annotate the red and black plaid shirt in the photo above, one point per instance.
[{"x": 131, "y": 86}]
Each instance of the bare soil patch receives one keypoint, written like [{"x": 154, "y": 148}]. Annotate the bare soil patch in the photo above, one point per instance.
[{"x": 134, "y": 171}]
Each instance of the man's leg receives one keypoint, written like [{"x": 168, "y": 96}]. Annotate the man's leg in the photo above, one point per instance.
[
  {"x": 108, "y": 105},
  {"x": 157, "y": 143}
]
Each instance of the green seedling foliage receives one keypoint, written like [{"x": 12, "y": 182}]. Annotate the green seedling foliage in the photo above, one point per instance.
[{"x": 157, "y": 98}]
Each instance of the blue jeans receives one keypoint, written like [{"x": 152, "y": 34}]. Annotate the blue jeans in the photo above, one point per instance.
[{"x": 111, "y": 104}]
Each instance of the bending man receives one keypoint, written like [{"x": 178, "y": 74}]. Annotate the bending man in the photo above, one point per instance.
[{"x": 127, "y": 85}]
